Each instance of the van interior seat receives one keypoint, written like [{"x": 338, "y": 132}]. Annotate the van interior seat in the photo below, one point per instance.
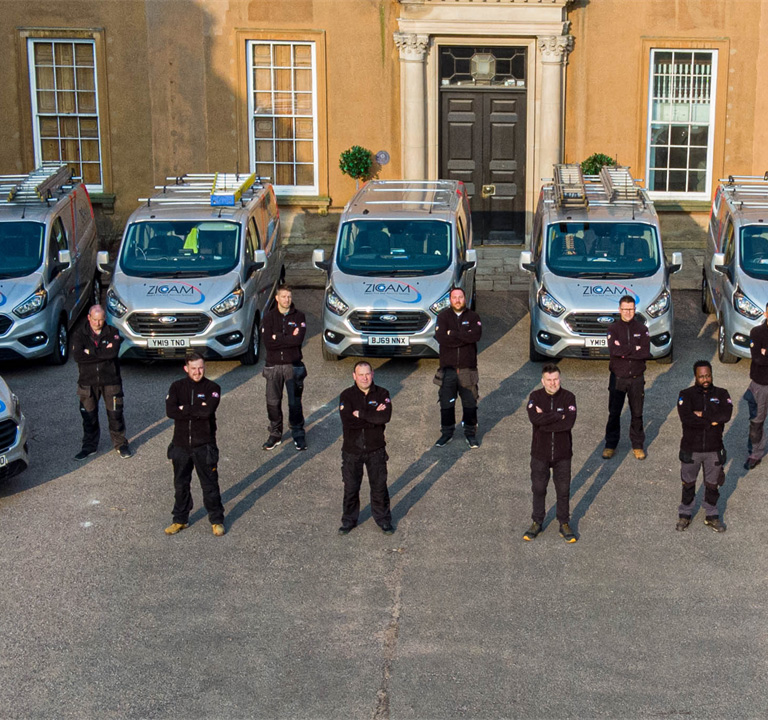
[
  {"x": 163, "y": 245},
  {"x": 757, "y": 247},
  {"x": 636, "y": 248}
]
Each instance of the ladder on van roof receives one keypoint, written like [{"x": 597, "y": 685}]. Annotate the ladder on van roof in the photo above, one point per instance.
[
  {"x": 570, "y": 188},
  {"x": 750, "y": 191},
  {"x": 214, "y": 189},
  {"x": 36, "y": 186},
  {"x": 613, "y": 186}
]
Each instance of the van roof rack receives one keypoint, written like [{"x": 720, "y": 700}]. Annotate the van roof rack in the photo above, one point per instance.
[
  {"x": 36, "y": 186},
  {"x": 215, "y": 189},
  {"x": 613, "y": 186},
  {"x": 749, "y": 191}
]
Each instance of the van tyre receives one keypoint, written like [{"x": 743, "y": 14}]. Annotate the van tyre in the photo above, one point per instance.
[
  {"x": 60, "y": 352},
  {"x": 668, "y": 358},
  {"x": 327, "y": 354},
  {"x": 706, "y": 298},
  {"x": 251, "y": 355},
  {"x": 726, "y": 357},
  {"x": 533, "y": 354}
]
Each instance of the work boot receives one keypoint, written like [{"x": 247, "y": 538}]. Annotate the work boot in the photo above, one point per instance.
[
  {"x": 639, "y": 453},
  {"x": 84, "y": 454},
  {"x": 218, "y": 529},
  {"x": 444, "y": 439},
  {"x": 608, "y": 453},
  {"x": 533, "y": 531},
  {"x": 272, "y": 443},
  {"x": 174, "y": 528},
  {"x": 715, "y": 524},
  {"x": 567, "y": 534},
  {"x": 682, "y": 523}
]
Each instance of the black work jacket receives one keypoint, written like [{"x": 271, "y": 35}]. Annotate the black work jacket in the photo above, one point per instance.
[
  {"x": 699, "y": 434},
  {"x": 458, "y": 336},
  {"x": 285, "y": 348},
  {"x": 96, "y": 356},
  {"x": 551, "y": 439},
  {"x": 758, "y": 341},
  {"x": 192, "y": 406},
  {"x": 365, "y": 433},
  {"x": 629, "y": 344}
]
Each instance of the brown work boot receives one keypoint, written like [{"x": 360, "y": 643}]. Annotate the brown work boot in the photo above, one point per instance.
[
  {"x": 639, "y": 453},
  {"x": 608, "y": 453},
  {"x": 174, "y": 528},
  {"x": 218, "y": 529}
]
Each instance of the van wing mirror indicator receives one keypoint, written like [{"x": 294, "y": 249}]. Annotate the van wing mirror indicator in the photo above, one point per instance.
[
  {"x": 65, "y": 258},
  {"x": 526, "y": 261},
  {"x": 259, "y": 262},
  {"x": 677, "y": 262},
  {"x": 319, "y": 261},
  {"x": 102, "y": 262},
  {"x": 718, "y": 263}
]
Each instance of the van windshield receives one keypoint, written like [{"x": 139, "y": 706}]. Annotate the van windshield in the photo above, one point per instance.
[
  {"x": 180, "y": 248},
  {"x": 21, "y": 248},
  {"x": 602, "y": 249},
  {"x": 394, "y": 247},
  {"x": 754, "y": 251}
]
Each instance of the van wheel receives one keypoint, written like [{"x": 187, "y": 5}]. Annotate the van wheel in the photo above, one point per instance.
[
  {"x": 96, "y": 290},
  {"x": 60, "y": 352},
  {"x": 726, "y": 357},
  {"x": 706, "y": 298},
  {"x": 533, "y": 354},
  {"x": 251, "y": 355},
  {"x": 668, "y": 358},
  {"x": 327, "y": 354}
]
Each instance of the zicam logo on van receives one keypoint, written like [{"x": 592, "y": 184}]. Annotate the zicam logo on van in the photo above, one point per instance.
[
  {"x": 402, "y": 292},
  {"x": 180, "y": 291},
  {"x": 2, "y": 406},
  {"x": 610, "y": 289},
  {"x": 3, "y": 299}
]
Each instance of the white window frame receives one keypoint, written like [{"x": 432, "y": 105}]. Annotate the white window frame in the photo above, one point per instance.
[
  {"x": 283, "y": 190},
  {"x": 36, "y": 115},
  {"x": 682, "y": 195}
]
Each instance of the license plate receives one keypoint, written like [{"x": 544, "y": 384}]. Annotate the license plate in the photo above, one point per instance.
[
  {"x": 596, "y": 342},
  {"x": 3, "y": 461},
  {"x": 389, "y": 340},
  {"x": 175, "y": 342}
]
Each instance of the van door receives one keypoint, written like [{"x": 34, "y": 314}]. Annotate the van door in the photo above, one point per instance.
[
  {"x": 253, "y": 284},
  {"x": 724, "y": 283},
  {"x": 60, "y": 282},
  {"x": 467, "y": 281}
]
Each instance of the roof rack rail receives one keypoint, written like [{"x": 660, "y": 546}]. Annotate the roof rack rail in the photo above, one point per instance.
[
  {"x": 36, "y": 186},
  {"x": 216, "y": 189},
  {"x": 570, "y": 189}
]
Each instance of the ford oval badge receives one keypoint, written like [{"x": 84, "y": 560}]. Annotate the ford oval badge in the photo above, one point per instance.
[
  {"x": 168, "y": 319},
  {"x": 388, "y": 318},
  {"x": 605, "y": 319}
]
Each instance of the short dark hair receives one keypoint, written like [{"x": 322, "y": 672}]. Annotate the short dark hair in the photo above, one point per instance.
[
  {"x": 361, "y": 362},
  {"x": 550, "y": 368},
  {"x": 191, "y": 356},
  {"x": 455, "y": 288},
  {"x": 702, "y": 363},
  {"x": 283, "y": 287},
  {"x": 627, "y": 299}
]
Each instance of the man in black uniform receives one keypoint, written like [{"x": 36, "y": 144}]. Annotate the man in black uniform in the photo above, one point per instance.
[
  {"x": 629, "y": 345},
  {"x": 552, "y": 412},
  {"x": 703, "y": 409},
  {"x": 95, "y": 347},
  {"x": 457, "y": 331},
  {"x": 283, "y": 331},
  {"x": 191, "y": 403},
  {"x": 365, "y": 409},
  {"x": 757, "y": 393}
]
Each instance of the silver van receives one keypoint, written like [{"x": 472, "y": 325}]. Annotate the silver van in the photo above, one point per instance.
[
  {"x": 734, "y": 281},
  {"x": 595, "y": 239},
  {"x": 401, "y": 246},
  {"x": 14, "y": 452},
  {"x": 48, "y": 275},
  {"x": 197, "y": 267}
]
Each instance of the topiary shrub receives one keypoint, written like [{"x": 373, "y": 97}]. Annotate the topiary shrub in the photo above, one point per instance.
[
  {"x": 592, "y": 165},
  {"x": 357, "y": 162}
]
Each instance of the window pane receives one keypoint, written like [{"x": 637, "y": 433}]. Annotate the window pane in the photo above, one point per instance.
[
  {"x": 265, "y": 170},
  {"x": 658, "y": 180},
  {"x": 46, "y": 102},
  {"x": 302, "y": 56},
  {"x": 303, "y": 104},
  {"x": 263, "y": 104},
  {"x": 66, "y": 102},
  {"x": 283, "y": 104},
  {"x": 282, "y": 56},
  {"x": 304, "y": 127},
  {"x": 43, "y": 53},
  {"x": 262, "y": 55},
  {"x": 91, "y": 174},
  {"x": 697, "y": 181},
  {"x": 677, "y": 181},
  {"x": 283, "y": 80},
  {"x": 659, "y": 157},
  {"x": 263, "y": 79},
  {"x": 264, "y": 151},
  {"x": 89, "y": 128},
  {"x": 302, "y": 80},
  {"x": 49, "y": 127},
  {"x": 284, "y": 175},
  {"x": 305, "y": 175},
  {"x": 284, "y": 128},
  {"x": 304, "y": 152},
  {"x": 264, "y": 128},
  {"x": 50, "y": 150},
  {"x": 284, "y": 151},
  {"x": 84, "y": 55},
  {"x": 679, "y": 135},
  {"x": 63, "y": 54},
  {"x": 697, "y": 158},
  {"x": 659, "y": 134},
  {"x": 699, "y": 135},
  {"x": 85, "y": 79},
  {"x": 89, "y": 150},
  {"x": 44, "y": 77},
  {"x": 86, "y": 102},
  {"x": 678, "y": 157}
]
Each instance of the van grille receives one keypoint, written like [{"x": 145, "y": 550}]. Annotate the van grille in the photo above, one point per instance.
[
  {"x": 186, "y": 323},
  {"x": 587, "y": 324},
  {"x": 383, "y": 321},
  {"x": 5, "y": 324},
  {"x": 7, "y": 434}
]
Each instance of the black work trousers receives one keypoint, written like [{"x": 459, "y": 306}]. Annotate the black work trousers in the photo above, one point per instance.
[
  {"x": 449, "y": 390},
  {"x": 204, "y": 459},
  {"x": 634, "y": 390},
  {"x": 352, "y": 466},
  {"x": 561, "y": 478},
  {"x": 290, "y": 377},
  {"x": 89, "y": 410}
]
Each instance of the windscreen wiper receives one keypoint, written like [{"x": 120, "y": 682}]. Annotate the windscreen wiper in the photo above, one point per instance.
[{"x": 604, "y": 275}]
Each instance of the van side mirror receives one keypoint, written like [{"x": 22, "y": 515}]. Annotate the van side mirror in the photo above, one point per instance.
[
  {"x": 471, "y": 260},
  {"x": 319, "y": 261},
  {"x": 102, "y": 262},
  {"x": 526, "y": 261},
  {"x": 65, "y": 259},
  {"x": 677, "y": 263},
  {"x": 259, "y": 263},
  {"x": 718, "y": 263}
]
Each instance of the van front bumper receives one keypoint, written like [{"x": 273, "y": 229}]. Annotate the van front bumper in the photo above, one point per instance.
[
  {"x": 27, "y": 338},
  {"x": 14, "y": 458}
]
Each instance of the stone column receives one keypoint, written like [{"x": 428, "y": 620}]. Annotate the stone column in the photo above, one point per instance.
[
  {"x": 413, "y": 52},
  {"x": 553, "y": 52}
]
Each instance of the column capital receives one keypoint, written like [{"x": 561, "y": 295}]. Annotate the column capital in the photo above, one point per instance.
[
  {"x": 555, "y": 48},
  {"x": 412, "y": 47}
]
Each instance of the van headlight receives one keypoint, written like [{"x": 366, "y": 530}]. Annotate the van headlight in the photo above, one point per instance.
[
  {"x": 744, "y": 306},
  {"x": 334, "y": 303},
  {"x": 115, "y": 306},
  {"x": 33, "y": 304},
  {"x": 441, "y": 304},
  {"x": 231, "y": 303},
  {"x": 660, "y": 305},
  {"x": 549, "y": 305}
]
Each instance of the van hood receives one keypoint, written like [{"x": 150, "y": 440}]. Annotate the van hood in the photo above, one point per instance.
[
  {"x": 16, "y": 290},
  {"x": 173, "y": 294},
  {"x": 597, "y": 294},
  {"x": 396, "y": 293}
]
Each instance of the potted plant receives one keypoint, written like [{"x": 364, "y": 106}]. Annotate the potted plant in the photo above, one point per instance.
[
  {"x": 357, "y": 162},
  {"x": 592, "y": 165}
]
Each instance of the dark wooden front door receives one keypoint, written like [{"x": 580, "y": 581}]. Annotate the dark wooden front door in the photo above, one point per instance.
[{"x": 482, "y": 143}]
